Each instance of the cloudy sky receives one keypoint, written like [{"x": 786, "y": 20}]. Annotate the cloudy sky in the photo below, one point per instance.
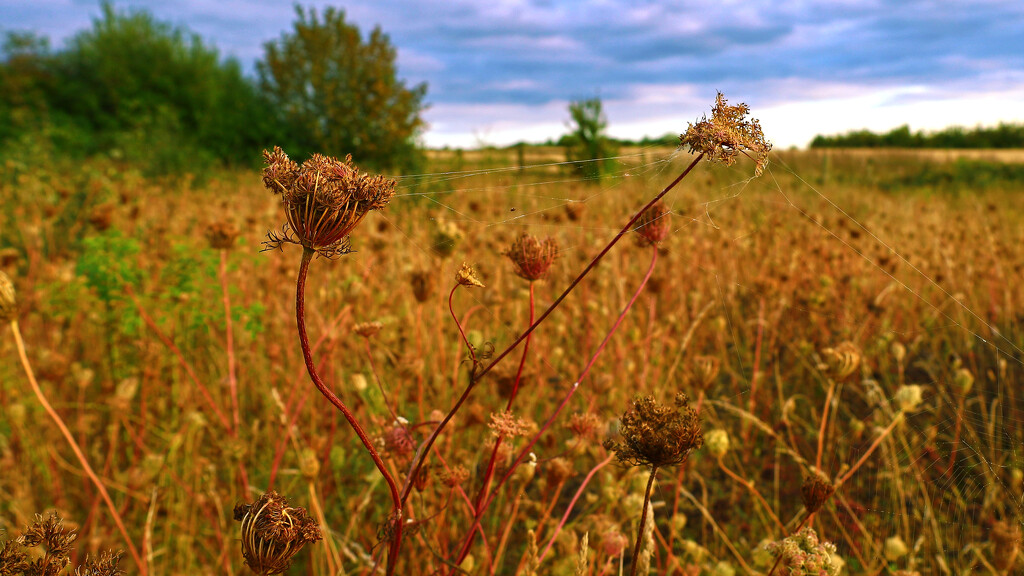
[{"x": 500, "y": 71}]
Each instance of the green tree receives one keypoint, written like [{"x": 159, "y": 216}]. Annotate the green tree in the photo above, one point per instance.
[
  {"x": 587, "y": 145},
  {"x": 339, "y": 94}
]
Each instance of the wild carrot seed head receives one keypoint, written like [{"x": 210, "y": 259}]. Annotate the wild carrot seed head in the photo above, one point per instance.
[
  {"x": 532, "y": 258},
  {"x": 324, "y": 199},
  {"x": 657, "y": 435},
  {"x": 273, "y": 532},
  {"x": 653, "y": 226},
  {"x": 726, "y": 134}
]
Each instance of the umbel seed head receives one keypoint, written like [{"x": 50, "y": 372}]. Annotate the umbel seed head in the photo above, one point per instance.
[
  {"x": 657, "y": 435},
  {"x": 653, "y": 225},
  {"x": 324, "y": 199},
  {"x": 532, "y": 258},
  {"x": 273, "y": 532},
  {"x": 816, "y": 490},
  {"x": 466, "y": 276},
  {"x": 726, "y": 134},
  {"x": 8, "y": 302}
]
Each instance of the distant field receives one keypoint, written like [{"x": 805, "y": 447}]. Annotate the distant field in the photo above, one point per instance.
[{"x": 905, "y": 267}]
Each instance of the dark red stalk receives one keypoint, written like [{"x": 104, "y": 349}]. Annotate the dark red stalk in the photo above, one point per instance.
[
  {"x": 643, "y": 520},
  {"x": 300, "y": 317}
]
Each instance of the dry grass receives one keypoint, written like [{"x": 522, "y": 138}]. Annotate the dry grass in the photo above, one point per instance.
[{"x": 122, "y": 310}]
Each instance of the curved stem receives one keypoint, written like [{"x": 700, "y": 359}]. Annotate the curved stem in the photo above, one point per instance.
[
  {"x": 424, "y": 449},
  {"x": 300, "y": 318},
  {"x": 643, "y": 520},
  {"x": 757, "y": 494},
  {"x": 75, "y": 448},
  {"x": 572, "y": 504}
]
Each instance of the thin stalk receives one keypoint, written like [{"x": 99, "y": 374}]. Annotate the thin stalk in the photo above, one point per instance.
[
  {"x": 229, "y": 340},
  {"x": 300, "y": 318},
  {"x": 643, "y": 520},
  {"x": 424, "y": 449},
  {"x": 143, "y": 568},
  {"x": 750, "y": 487},
  {"x": 824, "y": 421}
]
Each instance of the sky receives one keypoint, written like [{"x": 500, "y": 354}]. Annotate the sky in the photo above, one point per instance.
[{"x": 502, "y": 71}]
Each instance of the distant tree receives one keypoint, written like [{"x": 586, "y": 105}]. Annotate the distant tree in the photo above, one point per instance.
[
  {"x": 1002, "y": 136},
  {"x": 339, "y": 94},
  {"x": 587, "y": 145}
]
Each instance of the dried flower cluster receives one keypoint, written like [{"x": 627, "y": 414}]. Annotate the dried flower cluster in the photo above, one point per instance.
[
  {"x": 467, "y": 277},
  {"x": 56, "y": 541},
  {"x": 727, "y": 134},
  {"x": 843, "y": 360},
  {"x": 221, "y": 235},
  {"x": 532, "y": 258},
  {"x": 815, "y": 491},
  {"x": 653, "y": 225},
  {"x": 368, "y": 329},
  {"x": 802, "y": 554},
  {"x": 324, "y": 198},
  {"x": 657, "y": 435},
  {"x": 704, "y": 371},
  {"x": 273, "y": 532}
]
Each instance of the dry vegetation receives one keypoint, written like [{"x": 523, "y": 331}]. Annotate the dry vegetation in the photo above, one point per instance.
[{"x": 767, "y": 306}]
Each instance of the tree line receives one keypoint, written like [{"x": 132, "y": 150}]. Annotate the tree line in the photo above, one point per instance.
[
  {"x": 138, "y": 89},
  {"x": 1005, "y": 135}
]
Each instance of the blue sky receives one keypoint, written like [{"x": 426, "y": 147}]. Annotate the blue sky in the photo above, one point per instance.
[{"x": 503, "y": 70}]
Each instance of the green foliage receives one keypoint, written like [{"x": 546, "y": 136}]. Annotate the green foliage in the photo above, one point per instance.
[
  {"x": 587, "y": 145},
  {"x": 960, "y": 176},
  {"x": 108, "y": 263},
  {"x": 339, "y": 94},
  {"x": 135, "y": 88},
  {"x": 1002, "y": 136}
]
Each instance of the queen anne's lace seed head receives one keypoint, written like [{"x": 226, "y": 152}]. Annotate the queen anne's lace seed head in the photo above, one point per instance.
[
  {"x": 324, "y": 199},
  {"x": 726, "y": 134}
]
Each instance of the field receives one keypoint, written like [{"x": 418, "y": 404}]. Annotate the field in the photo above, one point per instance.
[{"x": 856, "y": 317}]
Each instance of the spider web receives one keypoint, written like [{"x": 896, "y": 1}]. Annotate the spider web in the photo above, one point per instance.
[{"x": 938, "y": 476}]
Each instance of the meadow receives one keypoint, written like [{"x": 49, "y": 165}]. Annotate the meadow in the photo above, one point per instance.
[{"x": 854, "y": 317}]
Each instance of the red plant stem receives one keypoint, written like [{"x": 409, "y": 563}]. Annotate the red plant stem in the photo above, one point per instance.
[
  {"x": 565, "y": 402},
  {"x": 750, "y": 487},
  {"x": 181, "y": 360},
  {"x": 20, "y": 344},
  {"x": 424, "y": 449},
  {"x": 508, "y": 406},
  {"x": 462, "y": 333},
  {"x": 300, "y": 319},
  {"x": 572, "y": 504},
  {"x": 956, "y": 433},
  {"x": 643, "y": 520}
]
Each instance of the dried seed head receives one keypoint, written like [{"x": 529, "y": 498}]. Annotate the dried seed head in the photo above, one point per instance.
[
  {"x": 1006, "y": 540},
  {"x": 532, "y": 258},
  {"x": 422, "y": 285},
  {"x": 613, "y": 543},
  {"x": 457, "y": 475},
  {"x": 653, "y": 226},
  {"x": 8, "y": 302},
  {"x": 804, "y": 553},
  {"x": 13, "y": 560},
  {"x": 705, "y": 370},
  {"x": 657, "y": 435},
  {"x": 585, "y": 426},
  {"x": 273, "y": 532},
  {"x": 815, "y": 491},
  {"x": 56, "y": 541},
  {"x": 843, "y": 360},
  {"x": 466, "y": 276},
  {"x": 726, "y": 135},
  {"x": 324, "y": 199},
  {"x": 221, "y": 235},
  {"x": 368, "y": 329},
  {"x": 105, "y": 565}
]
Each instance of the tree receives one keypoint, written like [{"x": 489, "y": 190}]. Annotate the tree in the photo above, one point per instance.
[
  {"x": 587, "y": 144},
  {"x": 339, "y": 94}
]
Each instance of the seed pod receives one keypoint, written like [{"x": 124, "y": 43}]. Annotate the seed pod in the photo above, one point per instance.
[
  {"x": 273, "y": 532},
  {"x": 815, "y": 491}
]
